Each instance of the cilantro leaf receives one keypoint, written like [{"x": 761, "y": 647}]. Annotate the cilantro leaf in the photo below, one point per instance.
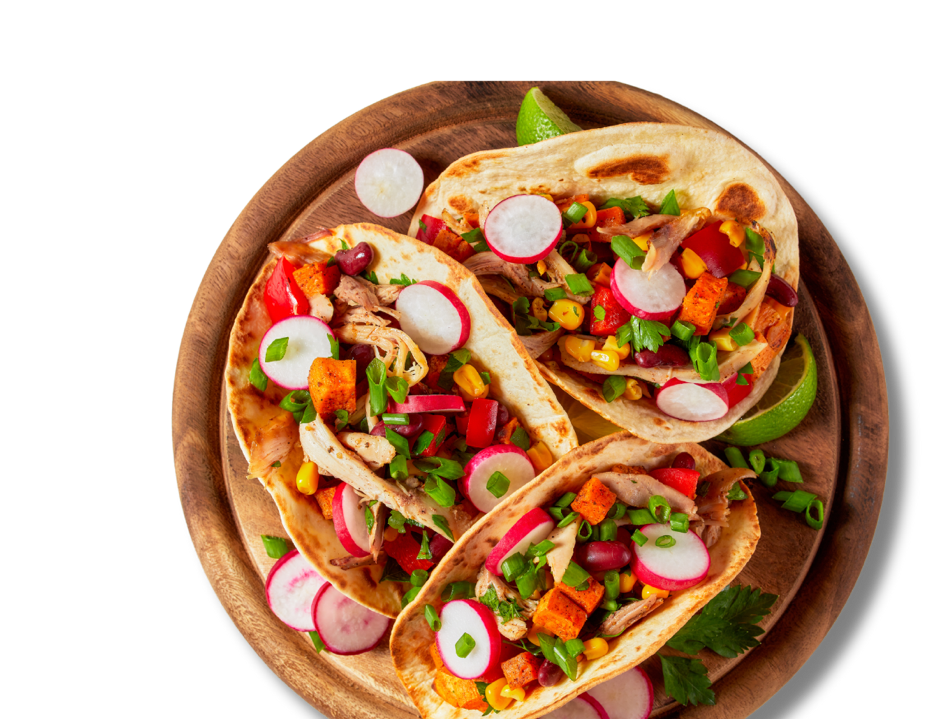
[
  {"x": 686, "y": 681},
  {"x": 507, "y": 610},
  {"x": 642, "y": 334},
  {"x": 632, "y": 206},
  {"x": 726, "y": 624},
  {"x": 669, "y": 205}
]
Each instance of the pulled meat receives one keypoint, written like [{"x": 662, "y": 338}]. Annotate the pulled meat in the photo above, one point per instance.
[
  {"x": 271, "y": 444},
  {"x": 713, "y": 509},
  {"x": 515, "y": 628},
  {"x": 635, "y": 490},
  {"x": 626, "y": 616},
  {"x": 537, "y": 344},
  {"x": 355, "y": 562},
  {"x": 375, "y": 451},
  {"x": 489, "y": 263},
  {"x": 300, "y": 251},
  {"x": 394, "y": 345}
]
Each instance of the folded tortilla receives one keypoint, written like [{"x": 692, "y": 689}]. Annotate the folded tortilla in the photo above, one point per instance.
[
  {"x": 493, "y": 346},
  {"x": 412, "y": 635},
  {"x": 705, "y": 168}
]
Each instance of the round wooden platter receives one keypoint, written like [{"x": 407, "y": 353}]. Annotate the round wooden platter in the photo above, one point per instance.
[{"x": 841, "y": 446}]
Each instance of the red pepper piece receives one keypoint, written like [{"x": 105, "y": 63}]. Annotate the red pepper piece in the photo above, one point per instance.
[
  {"x": 433, "y": 229},
  {"x": 738, "y": 392},
  {"x": 606, "y": 218},
  {"x": 682, "y": 480},
  {"x": 405, "y": 549},
  {"x": 284, "y": 297},
  {"x": 615, "y": 316},
  {"x": 715, "y": 249},
  {"x": 436, "y": 425},
  {"x": 462, "y": 422},
  {"x": 482, "y": 422}
]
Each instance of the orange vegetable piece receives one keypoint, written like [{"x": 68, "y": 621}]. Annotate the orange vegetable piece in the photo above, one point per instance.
[
  {"x": 521, "y": 670},
  {"x": 589, "y": 598},
  {"x": 460, "y": 693},
  {"x": 318, "y": 278},
  {"x": 504, "y": 435},
  {"x": 606, "y": 218},
  {"x": 593, "y": 501},
  {"x": 702, "y": 302},
  {"x": 325, "y": 496},
  {"x": 453, "y": 245},
  {"x": 472, "y": 219},
  {"x": 437, "y": 659},
  {"x": 331, "y": 383},
  {"x": 565, "y": 203},
  {"x": 559, "y": 615},
  {"x": 437, "y": 364}
]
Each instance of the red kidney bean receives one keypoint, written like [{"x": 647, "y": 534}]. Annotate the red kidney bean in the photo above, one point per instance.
[
  {"x": 666, "y": 356},
  {"x": 439, "y": 546},
  {"x": 779, "y": 290},
  {"x": 355, "y": 260},
  {"x": 406, "y": 430},
  {"x": 603, "y": 556},
  {"x": 549, "y": 674},
  {"x": 646, "y": 358},
  {"x": 362, "y": 354},
  {"x": 503, "y": 416},
  {"x": 684, "y": 460}
]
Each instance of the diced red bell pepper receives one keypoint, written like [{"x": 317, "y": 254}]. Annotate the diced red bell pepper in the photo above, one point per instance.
[
  {"x": 283, "y": 295},
  {"x": 482, "y": 421},
  {"x": 462, "y": 423},
  {"x": 615, "y": 316},
  {"x": 606, "y": 218},
  {"x": 436, "y": 425},
  {"x": 433, "y": 228},
  {"x": 738, "y": 392},
  {"x": 682, "y": 480},
  {"x": 405, "y": 549},
  {"x": 715, "y": 249}
]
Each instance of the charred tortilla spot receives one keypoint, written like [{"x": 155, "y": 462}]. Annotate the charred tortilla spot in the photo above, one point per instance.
[
  {"x": 741, "y": 200},
  {"x": 460, "y": 204},
  {"x": 660, "y": 422},
  {"x": 470, "y": 165},
  {"x": 643, "y": 169}
]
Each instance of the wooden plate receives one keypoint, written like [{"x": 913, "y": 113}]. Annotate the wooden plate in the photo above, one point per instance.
[{"x": 841, "y": 446}]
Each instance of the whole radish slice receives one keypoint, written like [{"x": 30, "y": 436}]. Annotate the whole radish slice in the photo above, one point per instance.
[
  {"x": 434, "y": 317},
  {"x": 653, "y": 296},
  {"x": 428, "y": 403},
  {"x": 523, "y": 228},
  {"x": 626, "y": 696},
  {"x": 388, "y": 182},
  {"x": 680, "y": 566},
  {"x": 464, "y": 616},
  {"x": 691, "y": 401},
  {"x": 345, "y": 626},
  {"x": 347, "y": 515},
  {"x": 584, "y": 706},
  {"x": 532, "y": 528},
  {"x": 505, "y": 458},
  {"x": 308, "y": 339},
  {"x": 290, "y": 589}
]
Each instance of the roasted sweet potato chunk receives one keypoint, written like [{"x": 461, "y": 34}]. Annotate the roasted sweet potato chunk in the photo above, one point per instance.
[
  {"x": 559, "y": 615},
  {"x": 593, "y": 501},
  {"x": 702, "y": 302},
  {"x": 587, "y": 599},
  {"x": 521, "y": 670},
  {"x": 318, "y": 278},
  {"x": 331, "y": 384}
]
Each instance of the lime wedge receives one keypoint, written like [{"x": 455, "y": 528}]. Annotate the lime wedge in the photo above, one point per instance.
[
  {"x": 784, "y": 405},
  {"x": 539, "y": 118}
]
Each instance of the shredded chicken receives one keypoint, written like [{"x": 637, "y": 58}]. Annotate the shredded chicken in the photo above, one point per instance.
[
  {"x": 394, "y": 345},
  {"x": 515, "y": 628},
  {"x": 355, "y": 562},
  {"x": 362, "y": 316},
  {"x": 380, "y": 512},
  {"x": 713, "y": 508},
  {"x": 497, "y": 287},
  {"x": 489, "y": 263},
  {"x": 635, "y": 490},
  {"x": 665, "y": 239},
  {"x": 637, "y": 227},
  {"x": 320, "y": 306},
  {"x": 537, "y": 344},
  {"x": 357, "y": 292},
  {"x": 560, "y": 557},
  {"x": 626, "y": 616},
  {"x": 300, "y": 251},
  {"x": 271, "y": 444},
  {"x": 375, "y": 451},
  {"x": 387, "y": 294}
]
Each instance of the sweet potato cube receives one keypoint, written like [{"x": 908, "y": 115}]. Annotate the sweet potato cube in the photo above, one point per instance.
[
  {"x": 318, "y": 278},
  {"x": 331, "y": 384},
  {"x": 589, "y": 598},
  {"x": 504, "y": 435},
  {"x": 461, "y": 693},
  {"x": 702, "y": 302},
  {"x": 594, "y": 501},
  {"x": 325, "y": 496},
  {"x": 559, "y": 615},
  {"x": 521, "y": 670},
  {"x": 437, "y": 659}
]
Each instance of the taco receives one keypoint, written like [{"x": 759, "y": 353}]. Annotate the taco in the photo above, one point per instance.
[
  {"x": 604, "y": 556},
  {"x": 661, "y": 294},
  {"x": 364, "y": 370}
]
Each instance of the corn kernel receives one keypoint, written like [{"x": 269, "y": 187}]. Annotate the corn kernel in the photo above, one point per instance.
[
  {"x": 627, "y": 581},
  {"x": 633, "y": 391},
  {"x": 542, "y": 267},
  {"x": 390, "y": 534},
  {"x": 606, "y": 359},
  {"x": 643, "y": 241},
  {"x": 307, "y": 478},
  {"x": 600, "y": 274},
  {"x": 723, "y": 341},
  {"x": 735, "y": 232},
  {"x": 589, "y": 219},
  {"x": 649, "y": 591},
  {"x": 516, "y": 694},
  {"x": 578, "y": 348},
  {"x": 495, "y": 697},
  {"x": 595, "y": 648},
  {"x": 546, "y": 196},
  {"x": 533, "y": 634},
  {"x": 568, "y": 313},
  {"x": 692, "y": 264},
  {"x": 540, "y": 456},
  {"x": 470, "y": 383},
  {"x": 611, "y": 344},
  {"x": 538, "y": 309}
]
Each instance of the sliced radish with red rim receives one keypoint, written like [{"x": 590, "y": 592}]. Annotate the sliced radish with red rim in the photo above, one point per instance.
[
  {"x": 680, "y": 563},
  {"x": 308, "y": 340},
  {"x": 345, "y": 626},
  {"x": 653, "y": 296},
  {"x": 505, "y": 458},
  {"x": 464, "y": 616},
  {"x": 347, "y": 515},
  {"x": 626, "y": 696},
  {"x": 533, "y": 528},
  {"x": 388, "y": 182},
  {"x": 428, "y": 403},
  {"x": 523, "y": 228},
  {"x": 583, "y": 706},
  {"x": 434, "y": 317},
  {"x": 691, "y": 401},
  {"x": 290, "y": 589}
]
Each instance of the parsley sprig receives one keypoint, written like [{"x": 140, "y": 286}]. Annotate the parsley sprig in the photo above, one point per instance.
[
  {"x": 642, "y": 334},
  {"x": 505, "y": 609},
  {"x": 727, "y": 624}
]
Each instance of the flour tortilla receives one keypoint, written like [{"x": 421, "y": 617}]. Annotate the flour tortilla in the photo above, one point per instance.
[
  {"x": 705, "y": 168},
  {"x": 412, "y": 635},
  {"x": 493, "y": 346}
]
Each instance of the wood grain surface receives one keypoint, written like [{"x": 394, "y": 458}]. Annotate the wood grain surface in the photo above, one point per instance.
[{"x": 841, "y": 446}]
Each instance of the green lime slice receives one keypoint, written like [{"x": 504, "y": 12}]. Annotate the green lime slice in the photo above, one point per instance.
[
  {"x": 784, "y": 405},
  {"x": 539, "y": 118}
]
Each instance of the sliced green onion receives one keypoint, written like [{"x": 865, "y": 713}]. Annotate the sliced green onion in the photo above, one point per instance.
[
  {"x": 744, "y": 278},
  {"x": 704, "y": 358},
  {"x": 423, "y": 442},
  {"x": 335, "y": 347},
  {"x": 659, "y": 508},
  {"x": 498, "y": 484},
  {"x": 627, "y": 250},
  {"x": 609, "y": 605},
  {"x": 276, "y": 350},
  {"x": 440, "y": 521},
  {"x": 397, "y": 388},
  {"x": 574, "y": 647},
  {"x": 527, "y": 581},
  {"x": 756, "y": 458},
  {"x": 585, "y": 260},
  {"x": 257, "y": 377},
  {"x": 789, "y": 471},
  {"x": 399, "y": 441},
  {"x": 555, "y": 293},
  {"x": 640, "y": 517},
  {"x": 816, "y": 519},
  {"x": 742, "y": 334},
  {"x": 679, "y": 522},
  {"x": 441, "y": 492},
  {"x": 612, "y": 584},
  {"x": 617, "y": 510},
  {"x": 547, "y": 644},
  {"x": 409, "y": 596},
  {"x": 565, "y": 499},
  {"x": 669, "y": 205},
  {"x": 639, "y": 537},
  {"x": 276, "y": 547},
  {"x": 377, "y": 392},
  {"x": 309, "y": 414},
  {"x": 520, "y": 439},
  {"x": 575, "y": 213},
  {"x": 397, "y": 521},
  {"x": 564, "y": 659},
  {"x": 736, "y": 493},
  {"x": 433, "y": 619},
  {"x": 665, "y": 542},
  {"x": 540, "y": 549},
  {"x": 702, "y": 489},
  {"x": 799, "y": 501},
  {"x": 395, "y": 419},
  {"x": 595, "y": 532},
  {"x": 575, "y": 575},
  {"x": 317, "y": 641},
  {"x": 398, "y": 467},
  {"x": 513, "y": 566},
  {"x": 747, "y": 369},
  {"x": 486, "y": 378},
  {"x": 585, "y": 531},
  {"x": 768, "y": 479},
  {"x": 567, "y": 520},
  {"x": 556, "y": 512},
  {"x": 369, "y": 518},
  {"x": 295, "y": 401},
  {"x": 781, "y": 496},
  {"x": 464, "y": 645},
  {"x": 614, "y": 386},
  {"x": 457, "y": 590},
  {"x": 608, "y": 530},
  {"x": 579, "y": 284},
  {"x": 741, "y": 380},
  {"x": 735, "y": 458},
  {"x": 341, "y": 419},
  {"x": 424, "y": 552},
  {"x": 683, "y": 330},
  {"x": 418, "y": 577}
]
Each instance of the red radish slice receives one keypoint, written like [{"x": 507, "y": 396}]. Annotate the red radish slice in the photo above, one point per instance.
[
  {"x": 649, "y": 297},
  {"x": 691, "y": 401},
  {"x": 626, "y": 696},
  {"x": 464, "y": 616},
  {"x": 290, "y": 589},
  {"x": 345, "y": 626},
  {"x": 431, "y": 403},
  {"x": 434, "y": 317},
  {"x": 737, "y": 392},
  {"x": 505, "y": 458},
  {"x": 683, "y": 565},
  {"x": 523, "y": 228},
  {"x": 308, "y": 339},
  {"x": 347, "y": 515},
  {"x": 532, "y": 528},
  {"x": 584, "y": 706},
  {"x": 388, "y": 182}
]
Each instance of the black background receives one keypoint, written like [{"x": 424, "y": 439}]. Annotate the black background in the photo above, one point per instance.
[{"x": 819, "y": 136}]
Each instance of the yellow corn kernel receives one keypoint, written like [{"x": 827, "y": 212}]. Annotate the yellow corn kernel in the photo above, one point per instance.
[
  {"x": 633, "y": 391},
  {"x": 692, "y": 264},
  {"x": 578, "y": 348},
  {"x": 611, "y": 344},
  {"x": 540, "y": 456},
  {"x": 470, "y": 383},
  {"x": 533, "y": 634},
  {"x": 606, "y": 359},
  {"x": 722, "y": 340},
  {"x": 546, "y": 196},
  {"x": 627, "y": 581},
  {"x": 595, "y": 648},
  {"x": 744, "y": 266},
  {"x": 643, "y": 241},
  {"x": 542, "y": 267},
  {"x": 649, "y": 591},
  {"x": 307, "y": 478},
  {"x": 494, "y": 696},
  {"x": 390, "y": 534},
  {"x": 568, "y": 313},
  {"x": 516, "y": 694},
  {"x": 735, "y": 232},
  {"x": 602, "y": 275},
  {"x": 589, "y": 219},
  {"x": 538, "y": 309}
]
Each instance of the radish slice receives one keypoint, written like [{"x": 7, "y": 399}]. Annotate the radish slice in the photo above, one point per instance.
[
  {"x": 388, "y": 182},
  {"x": 350, "y": 524},
  {"x": 308, "y": 339},
  {"x": 691, "y": 401},
  {"x": 290, "y": 589},
  {"x": 532, "y": 528},
  {"x": 505, "y": 458},
  {"x": 683, "y": 565},
  {"x": 626, "y": 696},
  {"x": 345, "y": 626},
  {"x": 653, "y": 296},
  {"x": 523, "y": 228},
  {"x": 584, "y": 706},
  {"x": 434, "y": 317},
  {"x": 464, "y": 616},
  {"x": 428, "y": 403}
]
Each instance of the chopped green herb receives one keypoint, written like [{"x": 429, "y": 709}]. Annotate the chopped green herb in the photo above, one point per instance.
[
  {"x": 726, "y": 625},
  {"x": 309, "y": 414},
  {"x": 422, "y": 224},
  {"x": 642, "y": 334},
  {"x": 317, "y": 641},
  {"x": 475, "y": 238},
  {"x": 277, "y": 349},
  {"x": 371, "y": 277},
  {"x": 555, "y": 293},
  {"x": 257, "y": 377},
  {"x": 507, "y": 610},
  {"x": 277, "y": 463},
  {"x": 424, "y": 552},
  {"x": 614, "y": 386},
  {"x": 755, "y": 245},
  {"x": 369, "y": 519},
  {"x": 397, "y": 521},
  {"x": 433, "y": 619},
  {"x": 404, "y": 280},
  {"x": 486, "y": 377},
  {"x": 498, "y": 484},
  {"x": 276, "y": 547},
  {"x": 736, "y": 493},
  {"x": 685, "y": 680},
  {"x": 564, "y": 659},
  {"x": 440, "y": 521},
  {"x": 335, "y": 347},
  {"x": 574, "y": 647},
  {"x": 341, "y": 419},
  {"x": 632, "y": 206},
  {"x": 669, "y": 205}
]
